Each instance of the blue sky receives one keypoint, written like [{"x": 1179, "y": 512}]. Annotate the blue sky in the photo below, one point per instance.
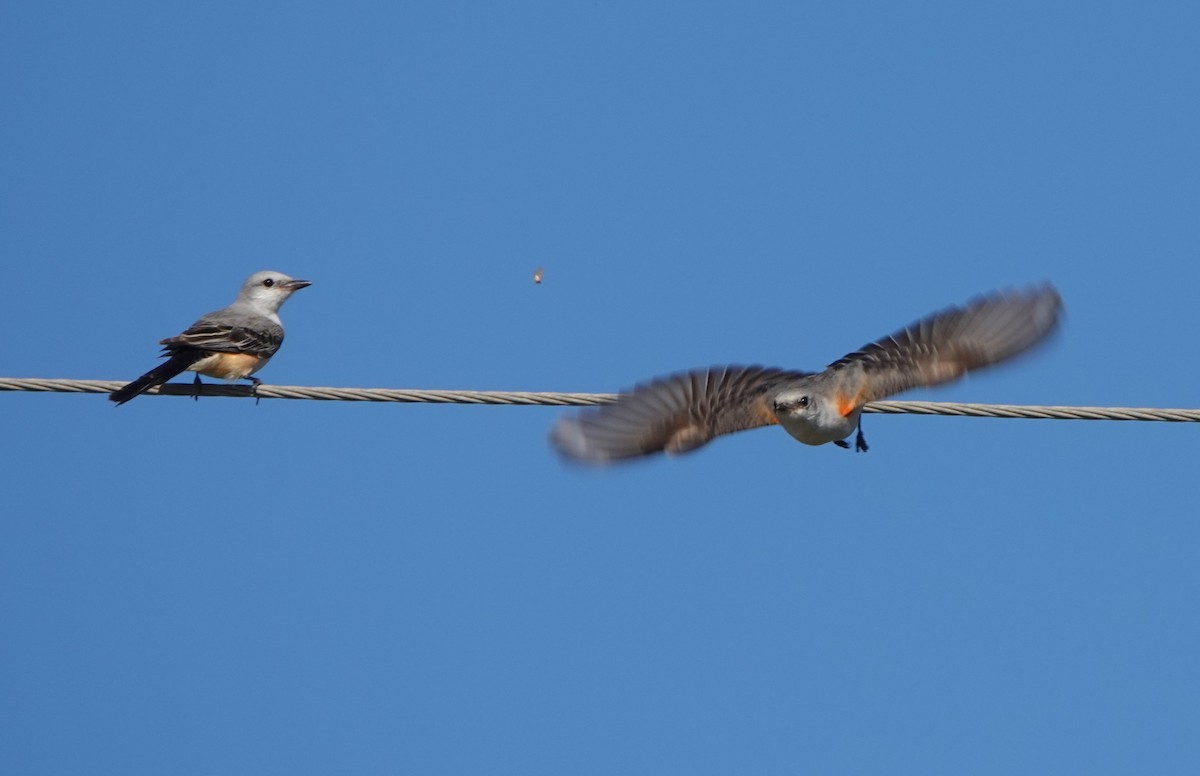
[{"x": 303, "y": 587}]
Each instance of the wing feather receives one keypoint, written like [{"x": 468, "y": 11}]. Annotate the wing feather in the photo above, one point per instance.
[
  {"x": 945, "y": 345},
  {"x": 676, "y": 414},
  {"x": 262, "y": 337}
]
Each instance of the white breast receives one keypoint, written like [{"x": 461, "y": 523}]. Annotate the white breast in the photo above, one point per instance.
[{"x": 820, "y": 427}]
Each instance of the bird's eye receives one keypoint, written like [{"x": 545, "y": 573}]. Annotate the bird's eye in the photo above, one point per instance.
[
  {"x": 269, "y": 282},
  {"x": 791, "y": 405}
]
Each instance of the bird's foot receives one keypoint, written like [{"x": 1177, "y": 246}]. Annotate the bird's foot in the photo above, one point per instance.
[
  {"x": 254, "y": 389},
  {"x": 197, "y": 383},
  {"x": 842, "y": 443},
  {"x": 860, "y": 443}
]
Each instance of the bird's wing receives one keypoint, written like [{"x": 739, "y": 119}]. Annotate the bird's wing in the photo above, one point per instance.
[
  {"x": 258, "y": 336},
  {"x": 677, "y": 413},
  {"x": 945, "y": 345}
]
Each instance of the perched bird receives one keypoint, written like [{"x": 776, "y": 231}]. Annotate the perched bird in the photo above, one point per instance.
[
  {"x": 230, "y": 344},
  {"x": 682, "y": 412}
]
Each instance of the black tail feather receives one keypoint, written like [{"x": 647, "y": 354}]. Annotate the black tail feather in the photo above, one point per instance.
[{"x": 176, "y": 364}]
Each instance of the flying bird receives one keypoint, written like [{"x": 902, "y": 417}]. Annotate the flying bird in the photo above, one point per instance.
[
  {"x": 230, "y": 344},
  {"x": 681, "y": 412}
]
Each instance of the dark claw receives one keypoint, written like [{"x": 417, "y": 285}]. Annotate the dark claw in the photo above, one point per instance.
[
  {"x": 254, "y": 389},
  {"x": 842, "y": 444},
  {"x": 860, "y": 442},
  {"x": 197, "y": 383}
]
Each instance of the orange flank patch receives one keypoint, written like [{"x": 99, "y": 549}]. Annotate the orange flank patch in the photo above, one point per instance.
[
  {"x": 847, "y": 405},
  {"x": 765, "y": 414},
  {"x": 229, "y": 366}
]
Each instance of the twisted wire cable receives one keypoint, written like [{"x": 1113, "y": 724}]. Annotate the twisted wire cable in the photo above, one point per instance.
[{"x": 560, "y": 399}]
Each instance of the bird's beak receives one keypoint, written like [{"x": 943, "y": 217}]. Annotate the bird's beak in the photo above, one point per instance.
[{"x": 296, "y": 285}]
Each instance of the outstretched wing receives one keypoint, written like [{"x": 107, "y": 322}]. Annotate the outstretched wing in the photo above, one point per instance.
[
  {"x": 945, "y": 345},
  {"x": 677, "y": 413},
  {"x": 261, "y": 336}
]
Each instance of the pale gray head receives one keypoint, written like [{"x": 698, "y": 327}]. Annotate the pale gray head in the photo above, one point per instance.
[
  {"x": 812, "y": 415},
  {"x": 796, "y": 403},
  {"x": 268, "y": 290}
]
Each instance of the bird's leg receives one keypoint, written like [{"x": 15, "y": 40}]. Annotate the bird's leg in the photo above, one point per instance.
[
  {"x": 254, "y": 388},
  {"x": 197, "y": 383},
  {"x": 860, "y": 442},
  {"x": 841, "y": 443}
]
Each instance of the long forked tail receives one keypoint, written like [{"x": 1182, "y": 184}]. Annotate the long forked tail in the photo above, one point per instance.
[{"x": 177, "y": 363}]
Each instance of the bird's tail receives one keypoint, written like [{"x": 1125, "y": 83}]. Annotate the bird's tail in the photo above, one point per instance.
[{"x": 179, "y": 362}]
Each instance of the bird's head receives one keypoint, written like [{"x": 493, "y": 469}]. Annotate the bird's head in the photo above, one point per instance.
[{"x": 269, "y": 289}]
